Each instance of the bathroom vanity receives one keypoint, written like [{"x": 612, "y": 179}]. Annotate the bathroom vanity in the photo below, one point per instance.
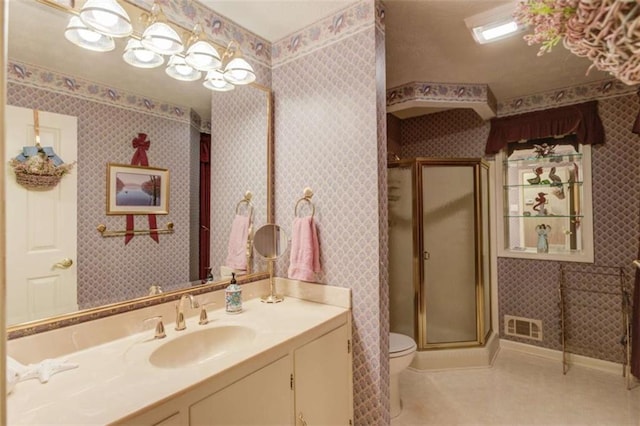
[{"x": 285, "y": 363}]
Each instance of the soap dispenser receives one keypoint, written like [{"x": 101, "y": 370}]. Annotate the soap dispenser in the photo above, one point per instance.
[{"x": 233, "y": 296}]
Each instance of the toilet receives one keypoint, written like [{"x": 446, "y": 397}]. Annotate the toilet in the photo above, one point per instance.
[{"x": 401, "y": 351}]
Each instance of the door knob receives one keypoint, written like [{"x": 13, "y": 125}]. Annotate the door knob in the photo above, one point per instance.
[{"x": 64, "y": 263}]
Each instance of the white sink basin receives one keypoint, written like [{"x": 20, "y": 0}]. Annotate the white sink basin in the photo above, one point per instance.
[{"x": 201, "y": 345}]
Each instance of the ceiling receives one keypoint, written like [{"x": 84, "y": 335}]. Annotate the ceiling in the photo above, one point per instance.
[{"x": 426, "y": 40}]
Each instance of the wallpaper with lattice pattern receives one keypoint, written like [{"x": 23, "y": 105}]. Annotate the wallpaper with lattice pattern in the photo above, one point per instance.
[
  {"x": 124, "y": 272},
  {"x": 529, "y": 288},
  {"x": 327, "y": 139}
]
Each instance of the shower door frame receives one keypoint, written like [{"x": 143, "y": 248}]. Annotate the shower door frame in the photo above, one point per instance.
[{"x": 420, "y": 320}]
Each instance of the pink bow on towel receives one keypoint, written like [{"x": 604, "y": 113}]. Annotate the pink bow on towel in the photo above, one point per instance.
[
  {"x": 237, "y": 249},
  {"x": 305, "y": 250}
]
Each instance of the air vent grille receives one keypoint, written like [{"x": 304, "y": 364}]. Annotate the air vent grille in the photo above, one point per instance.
[{"x": 523, "y": 327}]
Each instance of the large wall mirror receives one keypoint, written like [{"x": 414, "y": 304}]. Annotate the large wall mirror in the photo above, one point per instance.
[{"x": 112, "y": 103}]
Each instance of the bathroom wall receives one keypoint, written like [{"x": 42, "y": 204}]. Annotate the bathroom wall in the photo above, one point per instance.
[
  {"x": 328, "y": 83},
  {"x": 529, "y": 288},
  {"x": 105, "y": 133}
]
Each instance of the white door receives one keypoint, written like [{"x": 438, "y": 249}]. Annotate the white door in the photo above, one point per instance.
[{"x": 41, "y": 225}]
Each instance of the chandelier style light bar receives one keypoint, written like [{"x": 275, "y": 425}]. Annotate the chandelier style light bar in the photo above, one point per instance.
[{"x": 99, "y": 21}]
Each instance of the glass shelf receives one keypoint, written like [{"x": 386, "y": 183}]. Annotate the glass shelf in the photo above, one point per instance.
[
  {"x": 549, "y": 216},
  {"x": 555, "y": 158},
  {"x": 541, "y": 185},
  {"x": 561, "y": 189}
]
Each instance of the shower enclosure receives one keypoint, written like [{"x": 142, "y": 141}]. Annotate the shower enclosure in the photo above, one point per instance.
[{"x": 439, "y": 263}]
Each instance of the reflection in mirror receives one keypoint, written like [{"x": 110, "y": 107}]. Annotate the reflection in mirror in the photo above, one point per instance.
[
  {"x": 110, "y": 104},
  {"x": 270, "y": 242}
]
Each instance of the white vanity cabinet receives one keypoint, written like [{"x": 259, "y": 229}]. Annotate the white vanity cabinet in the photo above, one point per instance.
[
  {"x": 323, "y": 380},
  {"x": 262, "y": 397},
  {"x": 309, "y": 384}
]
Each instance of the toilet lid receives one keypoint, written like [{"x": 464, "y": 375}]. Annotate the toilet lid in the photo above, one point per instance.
[{"x": 400, "y": 343}]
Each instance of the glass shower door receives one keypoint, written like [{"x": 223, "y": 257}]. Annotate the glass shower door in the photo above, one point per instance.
[{"x": 449, "y": 253}]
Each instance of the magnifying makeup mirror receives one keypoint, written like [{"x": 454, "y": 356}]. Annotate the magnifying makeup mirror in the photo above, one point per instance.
[{"x": 270, "y": 242}]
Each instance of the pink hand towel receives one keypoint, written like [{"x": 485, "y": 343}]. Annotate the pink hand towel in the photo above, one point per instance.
[
  {"x": 237, "y": 249},
  {"x": 305, "y": 250}
]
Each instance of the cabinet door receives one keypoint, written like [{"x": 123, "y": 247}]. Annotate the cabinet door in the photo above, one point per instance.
[
  {"x": 323, "y": 384},
  {"x": 261, "y": 398}
]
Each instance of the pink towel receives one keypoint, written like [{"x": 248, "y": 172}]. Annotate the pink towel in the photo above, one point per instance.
[
  {"x": 305, "y": 250},
  {"x": 237, "y": 249}
]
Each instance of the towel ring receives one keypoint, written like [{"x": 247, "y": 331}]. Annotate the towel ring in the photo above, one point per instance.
[
  {"x": 308, "y": 193},
  {"x": 246, "y": 200}
]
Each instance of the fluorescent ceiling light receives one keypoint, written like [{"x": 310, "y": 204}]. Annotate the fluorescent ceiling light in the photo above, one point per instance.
[{"x": 494, "y": 24}]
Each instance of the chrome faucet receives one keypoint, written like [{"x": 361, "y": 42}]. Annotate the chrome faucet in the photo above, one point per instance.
[{"x": 180, "y": 324}]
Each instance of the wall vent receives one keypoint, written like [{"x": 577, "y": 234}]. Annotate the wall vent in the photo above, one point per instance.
[{"x": 523, "y": 327}]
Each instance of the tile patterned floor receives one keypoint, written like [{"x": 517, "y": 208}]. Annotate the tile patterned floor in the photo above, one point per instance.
[{"x": 519, "y": 389}]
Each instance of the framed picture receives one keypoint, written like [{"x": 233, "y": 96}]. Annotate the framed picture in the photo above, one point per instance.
[{"x": 137, "y": 190}]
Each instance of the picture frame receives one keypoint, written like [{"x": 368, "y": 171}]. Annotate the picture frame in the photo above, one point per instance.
[{"x": 137, "y": 190}]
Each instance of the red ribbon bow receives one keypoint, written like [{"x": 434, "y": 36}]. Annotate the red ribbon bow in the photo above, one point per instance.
[{"x": 141, "y": 144}]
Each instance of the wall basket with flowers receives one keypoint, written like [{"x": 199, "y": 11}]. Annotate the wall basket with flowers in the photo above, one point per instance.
[
  {"x": 605, "y": 31},
  {"x": 39, "y": 167}
]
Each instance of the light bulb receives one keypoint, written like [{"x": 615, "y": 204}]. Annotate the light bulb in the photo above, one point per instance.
[
  {"x": 144, "y": 55},
  {"x": 184, "y": 69},
  {"x": 88, "y": 35},
  {"x": 105, "y": 18}
]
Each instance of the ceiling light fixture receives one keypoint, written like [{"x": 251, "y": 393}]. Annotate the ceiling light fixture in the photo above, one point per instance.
[
  {"x": 159, "y": 37},
  {"x": 106, "y": 17},
  {"x": 137, "y": 55},
  {"x": 237, "y": 70},
  {"x": 81, "y": 35},
  {"x": 201, "y": 55},
  {"x": 493, "y": 25}
]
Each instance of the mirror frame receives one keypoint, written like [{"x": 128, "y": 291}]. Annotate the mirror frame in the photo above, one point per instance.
[{"x": 195, "y": 287}]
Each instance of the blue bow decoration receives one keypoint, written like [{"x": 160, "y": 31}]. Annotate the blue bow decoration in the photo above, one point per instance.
[{"x": 30, "y": 151}]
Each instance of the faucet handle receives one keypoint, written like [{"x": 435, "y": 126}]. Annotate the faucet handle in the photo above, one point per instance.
[
  {"x": 204, "y": 319},
  {"x": 159, "y": 333}
]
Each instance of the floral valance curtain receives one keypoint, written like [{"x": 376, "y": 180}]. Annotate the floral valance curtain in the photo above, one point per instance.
[{"x": 580, "y": 119}]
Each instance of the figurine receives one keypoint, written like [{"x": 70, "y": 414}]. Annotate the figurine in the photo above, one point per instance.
[
  {"x": 539, "y": 206},
  {"x": 535, "y": 180},
  {"x": 556, "y": 184},
  {"x": 544, "y": 149},
  {"x": 543, "y": 243}
]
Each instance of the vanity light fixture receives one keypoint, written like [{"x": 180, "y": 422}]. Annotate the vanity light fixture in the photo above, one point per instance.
[
  {"x": 493, "y": 25},
  {"x": 106, "y": 17},
  {"x": 177, "y": 68},
  {"x": 215, "y": 81},
  {"x": 81, "y": 35},
  {"x": 237, "y": 71},
  {"x": 137, "y": 55},
  {"x": 159, "y": 37},
  {"x": 98, "y": 21}
]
